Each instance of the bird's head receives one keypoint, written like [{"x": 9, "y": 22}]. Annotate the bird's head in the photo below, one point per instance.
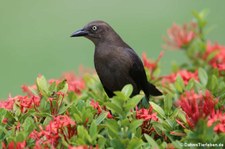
[{"x": 97, "y": 31}]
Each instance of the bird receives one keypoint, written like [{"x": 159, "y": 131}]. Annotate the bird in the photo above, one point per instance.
[{"x": 116, "y": 63}]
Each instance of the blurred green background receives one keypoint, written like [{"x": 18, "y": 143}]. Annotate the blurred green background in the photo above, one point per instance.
[{"x": 35, "y": 34}]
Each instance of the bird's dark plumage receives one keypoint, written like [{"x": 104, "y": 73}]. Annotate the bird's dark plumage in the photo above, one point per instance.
[{"x": 116, "y": 63}]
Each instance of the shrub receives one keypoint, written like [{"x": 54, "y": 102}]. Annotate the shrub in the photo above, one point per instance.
[{"x": 74, "y": 112}]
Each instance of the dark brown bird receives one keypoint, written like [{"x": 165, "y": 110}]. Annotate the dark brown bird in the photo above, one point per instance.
[{"x": 116, "y": 63}]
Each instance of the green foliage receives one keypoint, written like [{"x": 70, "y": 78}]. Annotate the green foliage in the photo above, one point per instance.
[{"x": 77, "y": 113}]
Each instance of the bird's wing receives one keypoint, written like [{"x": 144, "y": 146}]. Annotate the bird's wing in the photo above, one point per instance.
[
  {"x": 138, "y": 74},
  {"x": 137, "y": 71}
]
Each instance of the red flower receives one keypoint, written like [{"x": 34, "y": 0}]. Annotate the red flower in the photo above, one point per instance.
[
  {"x": 218, "y": 60},
  {"x": 180, "y": 36},
  {"x": 60, "y": 125},
  {"x": 5, "y": 121},
  {"x": 96, "y": 106},
  {"x": 196, "y": 106},
  {"x": 18, "y": 145},
  {"x": 75, "y": 84},
  {"x": 221, "y": 67},
  {"x": 24, "y": 102},
  {"x": 8, "y": 104},
  {"x": 218, "y": 117},
  {"x": 109, "y": 115},
  {"x": 79, "y": 147},
  {"x": 185, "y": 75},
  {"x": 150, "y": 64},
  {"x": 34, "y": 135},
  {"x": 146, "y": 115}
]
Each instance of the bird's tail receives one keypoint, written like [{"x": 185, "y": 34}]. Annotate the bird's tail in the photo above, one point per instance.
[{"x": 151, "y": 90}]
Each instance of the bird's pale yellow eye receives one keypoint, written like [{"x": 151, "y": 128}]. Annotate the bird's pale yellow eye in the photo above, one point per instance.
[{"x": 94, "y": 28}]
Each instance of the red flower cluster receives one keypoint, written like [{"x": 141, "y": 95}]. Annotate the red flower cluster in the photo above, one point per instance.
[
  {"x": 75, "y": 84},
  {"x": 96, "y": 106},
  {"x": 180, "y": 36},
  {"x": 185, "y": 75},
  {"x": 24, "y": 102},
  {"x": 7, "y": 104},
  {"x": 12, "y": 145},
  {"x": 218, "y": 117},
  {"x": 196, "y": 106},
  {"x": 60, "y": 125},
  {"x": 218, "y": 60},
  {"x": 150, "y": 64},
  {"x": 146, "y": 115}
]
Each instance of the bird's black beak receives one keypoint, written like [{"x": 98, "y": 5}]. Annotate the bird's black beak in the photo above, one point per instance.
[{"x": 80, "y": 32}]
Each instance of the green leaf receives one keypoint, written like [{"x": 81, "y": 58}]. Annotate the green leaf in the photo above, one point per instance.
[
  {"x": 167, "y": 124},
  {"x": 158, "y": 109},
  {"x": 2, "y": 113},
  {"x": 44, "y": 105},
  {"x": 121, "y": 96},
  {"x": 115, "y": 108},
  {"x": 179, "y": 84},
  {"x": 101, "y": 117},
  {"x": 213, "y": 83},
  {"x": 221, "y": 138},
  {"x": 20, "y": 137},
  {"x": 125, "y": 122},
  {"x": 201, "y": 133},
  {"x": 119, "y": 99},
  {"x": 203, "y": 77},
  {"x": 52, "y": 87},
  {"x": 181, "y": 115},
  {"x": 211, "y": 55},
  {"x": 168, "y": 102},
  {"x": 151, "y": 142},
  {"x": 64, "y": 107},
  {"x": 101, "y": 142},
  {"x": 93, "y": 130},
  {"x": 47, "y": 120},
  {"x": 200, "y": 17},
  {"x": 17, "y": 110},
  {"x": 113, "y": 128},
  {"x": 117, "y": 144},
  {"x": 28, "y": 124},
  {"x": 135, "y": 143},
  {"x": 83, "y": 134},
  {"x": 4, "y": 133},
  {"x": 132, "y": 102},
  {"x": 127, "y": 90},
  {"x": 177, "y": 144},
  {"x": 42, "y": 85},
  {"x": 77, "y": 118},
  {"x": 63, "y": 86},
  {"x": 135, "y": 124},
  {"x": 190, "y": 84}
]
